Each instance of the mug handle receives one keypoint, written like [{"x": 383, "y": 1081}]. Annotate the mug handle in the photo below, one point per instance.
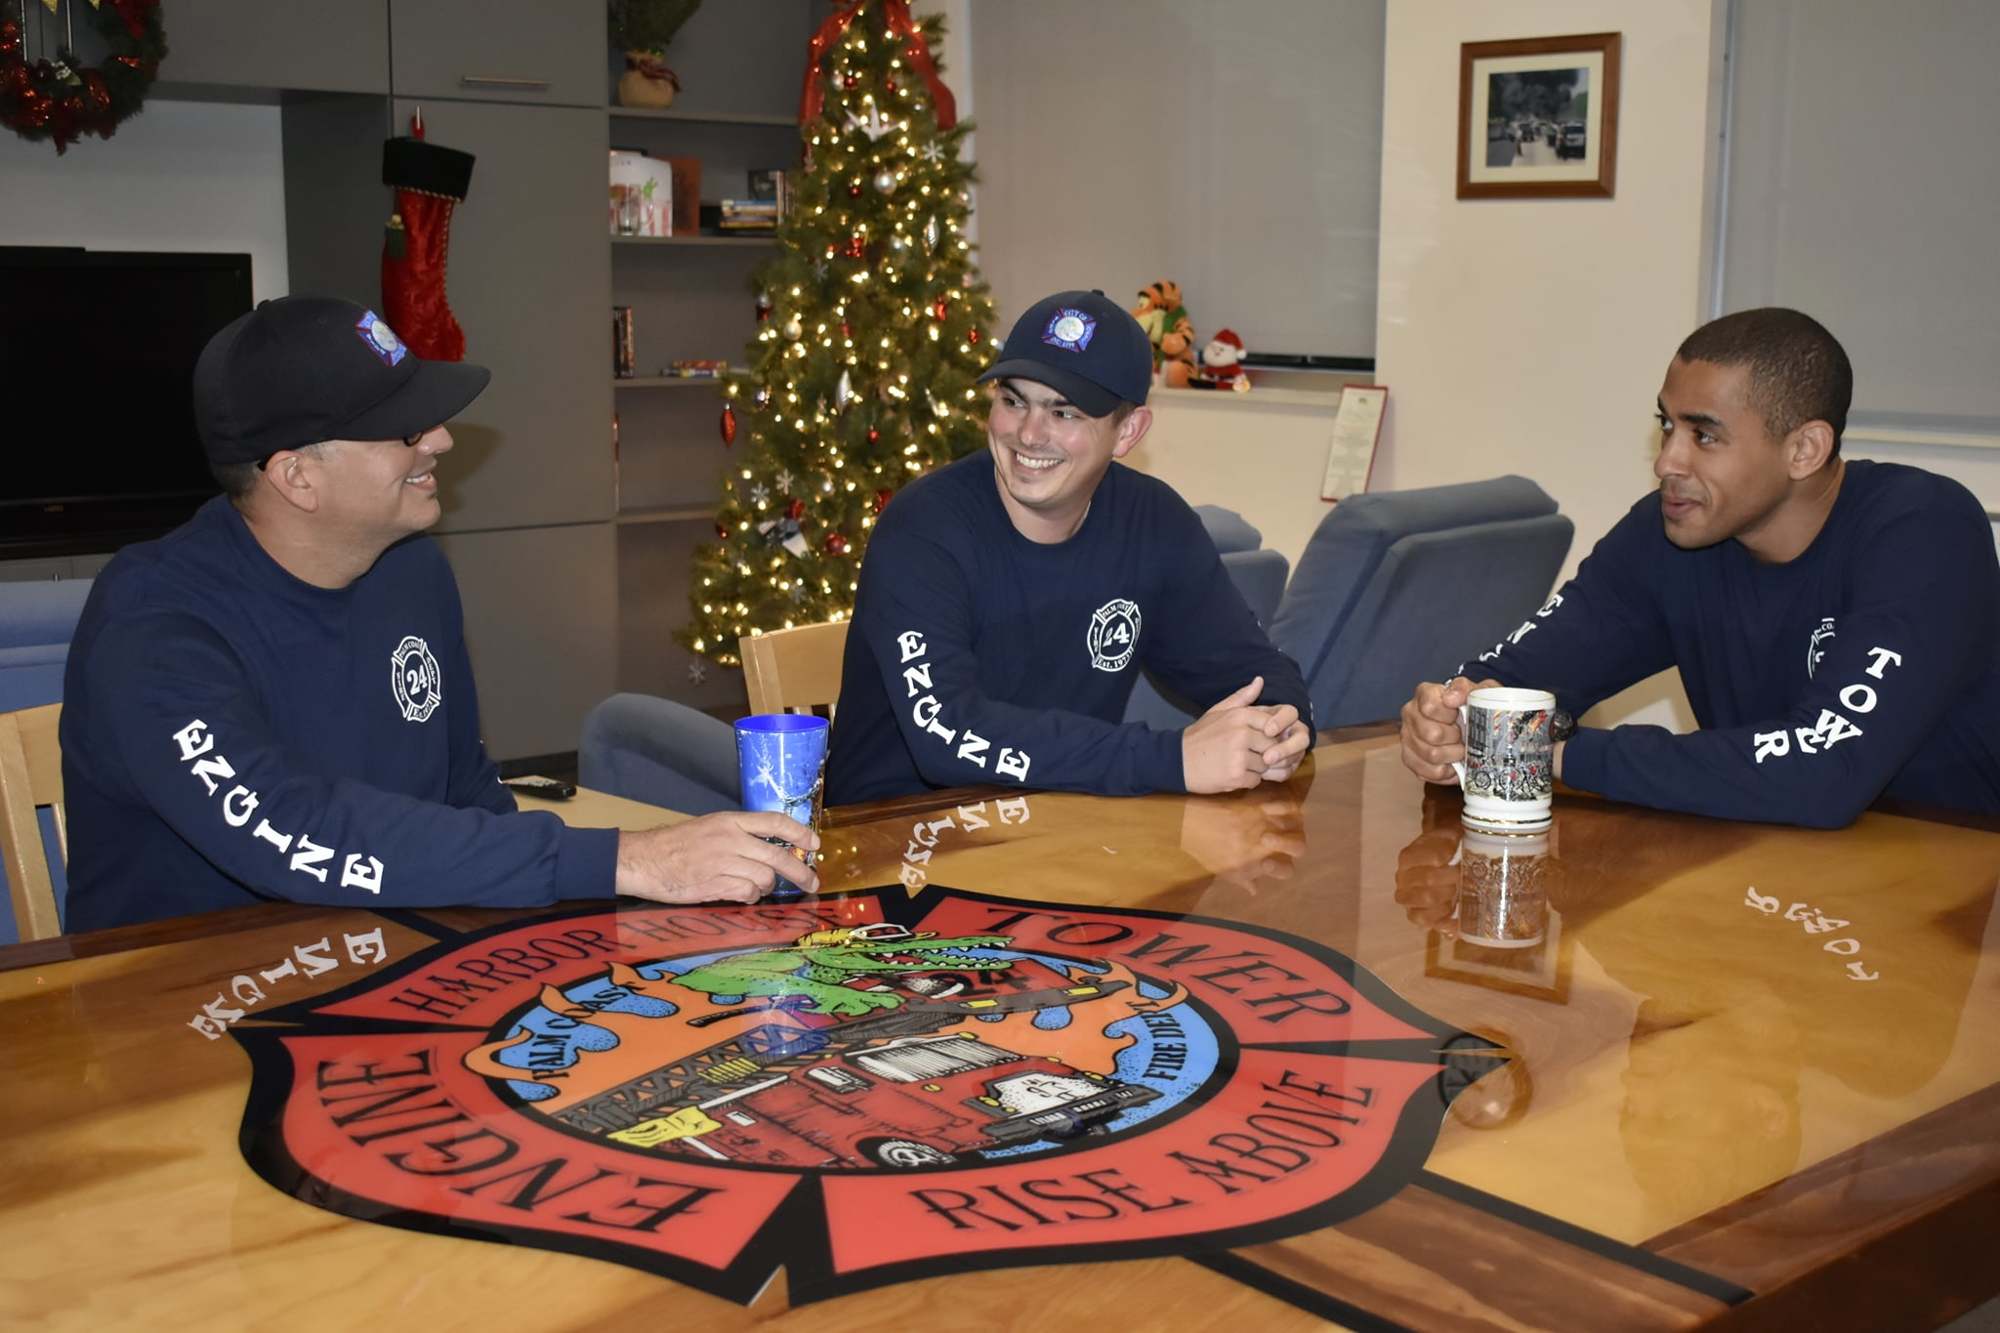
[{"x": 1458, "y": 766}]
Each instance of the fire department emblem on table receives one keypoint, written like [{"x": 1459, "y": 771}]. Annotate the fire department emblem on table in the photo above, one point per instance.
[{"x": 858, "y": 1090}]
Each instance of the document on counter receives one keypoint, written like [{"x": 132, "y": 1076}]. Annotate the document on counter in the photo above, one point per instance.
[{"x": 1356, "y": 427}]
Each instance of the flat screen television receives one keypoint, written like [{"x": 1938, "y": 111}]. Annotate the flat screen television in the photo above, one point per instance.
[{"x": 97, "y": 354}]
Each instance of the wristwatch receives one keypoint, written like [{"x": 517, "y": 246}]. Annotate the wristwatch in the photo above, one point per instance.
[{"x": 1561, "y": 726}]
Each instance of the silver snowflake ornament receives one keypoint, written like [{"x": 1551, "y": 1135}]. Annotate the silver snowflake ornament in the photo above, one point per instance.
[{"x": 697, "y": 672}]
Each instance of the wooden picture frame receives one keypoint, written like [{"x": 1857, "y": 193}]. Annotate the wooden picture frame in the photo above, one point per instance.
[{"x": 1538, "y": 118}]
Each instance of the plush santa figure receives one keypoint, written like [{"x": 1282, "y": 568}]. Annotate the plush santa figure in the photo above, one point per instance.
[{"x": 1221, "y": 364}]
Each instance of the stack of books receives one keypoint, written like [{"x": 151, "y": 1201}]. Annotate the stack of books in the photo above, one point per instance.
[
  {"x": 702, "y": 369},
  {"x": 756, "y": 216}
]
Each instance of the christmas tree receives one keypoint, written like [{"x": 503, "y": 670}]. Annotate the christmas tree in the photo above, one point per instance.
[{"x": 873, "y": 326}]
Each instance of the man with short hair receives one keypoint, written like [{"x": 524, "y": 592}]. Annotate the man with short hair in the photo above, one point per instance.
[
  {"x": 274, "y": 700},
  {"x": 1836, "y": 623},
  {"x": 1009, "y": 601}
]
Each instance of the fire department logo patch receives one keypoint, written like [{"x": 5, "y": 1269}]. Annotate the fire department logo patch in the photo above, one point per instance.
[
  {"x": 1821, "y": 633},
  {"x": 414, "y": 679},
  {"x": 860, "y": 1090},
  {"x": 1113, "y": 634},
  {"x": 1070, "y": 330},
  {"x": 381, "y": 339}
]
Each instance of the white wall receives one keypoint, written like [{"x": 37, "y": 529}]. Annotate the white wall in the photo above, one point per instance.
[
  {"x": 1531, "y": 336},
  {"x": 177, "y": 176}
]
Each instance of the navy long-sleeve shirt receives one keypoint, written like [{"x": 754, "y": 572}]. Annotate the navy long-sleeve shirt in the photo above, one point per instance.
[
  {"x": 1867, "y": 666},
  {"x": 232, "y": 734},
  {"x": 979, "y": 656}
]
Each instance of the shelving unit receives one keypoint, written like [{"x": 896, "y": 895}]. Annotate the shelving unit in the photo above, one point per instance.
[
  {"x": 692, "y": 298},
  {"x": 703, "y": 239},
  {"x": 702, "y": 117},
  {"x": 670, "y": 514}
]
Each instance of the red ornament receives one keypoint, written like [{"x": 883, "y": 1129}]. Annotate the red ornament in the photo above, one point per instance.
[
  {"x": 856, "y": 247},
  {"x": 889, "y": 85},
  {"x": 846, "y": 330},
  {"x": 849, "y": 82},
  {"x": 942, "y": 308},
  {"x": 728, "y": 424},
  {"x": 873, "y": 435},
  {"x": 795, "y": 510},
  {"x": 836, "y": 544},
  {"x": 882, "y": 500},
  {"x": 854, "y": 191},
  {"x": 972, "y": 335},
  {"x": 722, "y": 532}
]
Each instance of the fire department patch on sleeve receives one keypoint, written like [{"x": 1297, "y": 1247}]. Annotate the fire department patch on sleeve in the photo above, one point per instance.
[
  {"x": 861, "y": 1090},
  {"x": 415, "y": 680},
  {"x": 1113, "y": 635}
]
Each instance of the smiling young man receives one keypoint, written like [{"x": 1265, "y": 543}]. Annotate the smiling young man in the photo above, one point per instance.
[
  {"x": 274, "y": 700},
  {"x": 1836, "y": 623},
  {"x": 1009, "y": 601}
]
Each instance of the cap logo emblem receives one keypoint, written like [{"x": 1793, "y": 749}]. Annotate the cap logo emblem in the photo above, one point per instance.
[
  {"x": 1070, "y": 330},
  {"x": 381, "y": 339}
]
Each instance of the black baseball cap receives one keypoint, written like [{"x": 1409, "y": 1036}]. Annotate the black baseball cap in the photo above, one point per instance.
[
  {"x": 302, "y": 369},
  {"x": 1083, "y": 345}
]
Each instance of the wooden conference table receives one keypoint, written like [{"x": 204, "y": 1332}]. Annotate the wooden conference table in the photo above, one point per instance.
[{"x": 1706, "y": 1109}]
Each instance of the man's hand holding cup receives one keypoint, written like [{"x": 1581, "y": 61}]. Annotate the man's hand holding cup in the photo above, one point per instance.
[{"x": 1432, "y": 739}]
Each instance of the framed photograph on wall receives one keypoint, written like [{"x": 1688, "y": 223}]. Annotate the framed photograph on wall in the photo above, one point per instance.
[{"x": 1538, "y": 118}]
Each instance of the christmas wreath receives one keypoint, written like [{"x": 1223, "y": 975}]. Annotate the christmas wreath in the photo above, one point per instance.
[{"x": 64, "y": 99}]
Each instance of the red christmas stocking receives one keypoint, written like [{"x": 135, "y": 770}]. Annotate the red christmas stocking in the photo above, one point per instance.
[{"x": 430, "y": 182}]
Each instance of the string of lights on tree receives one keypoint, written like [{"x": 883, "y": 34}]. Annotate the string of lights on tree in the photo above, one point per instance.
[{"x": 872, "y": 330}]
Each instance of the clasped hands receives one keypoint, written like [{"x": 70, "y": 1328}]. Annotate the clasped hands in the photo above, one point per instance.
[{"x": 1239, "y": 743}]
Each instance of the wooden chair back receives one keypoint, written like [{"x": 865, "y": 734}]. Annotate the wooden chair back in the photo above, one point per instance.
[
  {"x": 794, "y": 670},
  {"x": 30, "y": 777}
]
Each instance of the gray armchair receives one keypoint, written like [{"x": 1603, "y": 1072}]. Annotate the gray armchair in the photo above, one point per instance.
[{"x": 1398, "y": 587}]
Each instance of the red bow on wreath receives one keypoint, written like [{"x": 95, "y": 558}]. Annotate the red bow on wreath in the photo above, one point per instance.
[{"x": 900, "y": 27}]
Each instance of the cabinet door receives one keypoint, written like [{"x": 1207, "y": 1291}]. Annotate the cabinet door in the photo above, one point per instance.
[
  {"x": 530, "y": 282},
  {"x": 541, "y": 622},
  {"x": 501, "y": 50},
  {"x": 306, "y": 44}
]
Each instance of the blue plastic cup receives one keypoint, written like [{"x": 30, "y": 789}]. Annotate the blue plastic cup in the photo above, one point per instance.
[{"x": 781, "y": 766}]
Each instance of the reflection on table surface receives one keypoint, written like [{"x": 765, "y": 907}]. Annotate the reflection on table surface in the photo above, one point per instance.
[
  {"x": 1747, "y": 1049},
  {"x": 1713, "y": 1008}
]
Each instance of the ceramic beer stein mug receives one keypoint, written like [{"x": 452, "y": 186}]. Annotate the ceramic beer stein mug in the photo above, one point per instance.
[{"x": 1508, "y": 771}]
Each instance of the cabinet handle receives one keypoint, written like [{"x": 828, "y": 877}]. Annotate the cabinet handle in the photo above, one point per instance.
[{"x": 502, "y": 81}]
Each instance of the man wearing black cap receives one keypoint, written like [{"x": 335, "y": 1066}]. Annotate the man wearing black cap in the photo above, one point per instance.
[
  {"x": 274, "y": 700},
  {"x": 1009, "y": 600}
]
